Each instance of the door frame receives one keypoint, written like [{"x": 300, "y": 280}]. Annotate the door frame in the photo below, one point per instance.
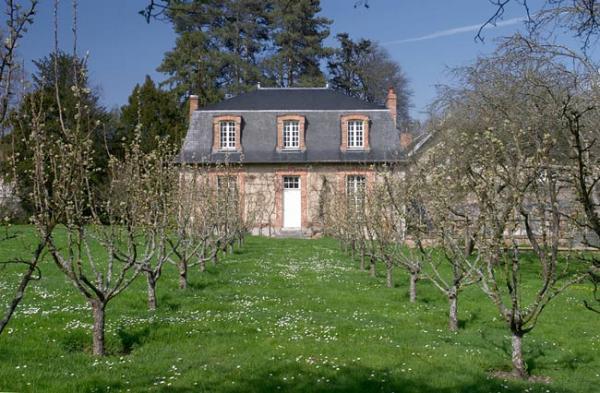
[
  {"x": 303, "y": 175},
  {"x": 298, "y": 192}
]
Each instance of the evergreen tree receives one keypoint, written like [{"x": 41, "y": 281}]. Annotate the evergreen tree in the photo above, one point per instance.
[
  {"x": 227, "y": 46},
  {"x": 158, "y": 113},
  {"x": 218, "y": 48},
  {"x": 297, "y": 35},
  {"x": 345, "y": 68},
  {"x": 241, "y": 32},
  {"x": 365, "y": 70},
  {"x": 70, "y": 72}
]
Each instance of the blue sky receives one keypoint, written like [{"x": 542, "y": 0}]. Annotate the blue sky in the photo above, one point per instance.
[{"x": 424, "y": 36}]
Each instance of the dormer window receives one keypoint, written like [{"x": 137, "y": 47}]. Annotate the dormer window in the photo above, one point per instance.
[
  {"x": 291, "y": 134},
  {"x": 356, "y": 134},
  {"x": 226, "y": 133}
]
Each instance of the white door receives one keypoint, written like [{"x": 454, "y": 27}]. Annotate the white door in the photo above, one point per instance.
[{"x": 292, "y": 202}]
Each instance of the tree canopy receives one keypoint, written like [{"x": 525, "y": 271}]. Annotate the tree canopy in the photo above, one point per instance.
[
  {"x": 226, "y": 47},
  {"x": 365, "y": 70},
  {"x": 56, "y": 75},
  {"x": 157, "y": 113}
]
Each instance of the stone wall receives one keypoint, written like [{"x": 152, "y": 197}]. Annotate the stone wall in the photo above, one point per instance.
[{"x": 261, "y": 192}]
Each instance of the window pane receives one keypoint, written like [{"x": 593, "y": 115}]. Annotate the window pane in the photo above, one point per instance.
[
  {"x": 355, "y": 133},
  {"x": 355, "y": 188},
  {"x": 291, "y": 182},
  {"x": 227, "y": 135},
  {"x": 291, "y": 134}
]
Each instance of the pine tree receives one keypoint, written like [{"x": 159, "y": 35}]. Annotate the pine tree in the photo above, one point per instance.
[
  {"x": 345, "y": 68},
  {"x": 297, "y": 35},
  {"x": 365, "y": 70},
  {"x": 218, "y": 49},
  {"x": 242, "y": 33}
]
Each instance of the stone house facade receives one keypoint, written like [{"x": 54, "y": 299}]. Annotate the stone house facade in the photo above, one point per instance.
[{"x": 282, "y": 146}]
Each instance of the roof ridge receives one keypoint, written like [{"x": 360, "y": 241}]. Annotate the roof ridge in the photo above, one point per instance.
[
  {"x": 297, "y": 98},
  {"x": 294, "y": 88}
]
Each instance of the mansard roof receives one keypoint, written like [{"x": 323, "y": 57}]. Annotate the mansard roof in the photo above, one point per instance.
[
  {"x": 322, "y": 109},
  {"x": 295, "y": 98}
]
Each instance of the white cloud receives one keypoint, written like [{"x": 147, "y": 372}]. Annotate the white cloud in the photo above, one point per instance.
[{"x": 458, "y": 30}]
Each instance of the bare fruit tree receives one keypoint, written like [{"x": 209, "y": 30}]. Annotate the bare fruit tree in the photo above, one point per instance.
[
  {"x": 443, "y": 226},
  {"x": 191, "y": 214},
  {"x": 18, "y": 19},
  {"x": 144, "y": 185},
  {"x": 502, "y": 128},
  {"x": 209, "y": 217},
  {"x": 401, "y": 243},
  {"x": 107, "y": 235}
]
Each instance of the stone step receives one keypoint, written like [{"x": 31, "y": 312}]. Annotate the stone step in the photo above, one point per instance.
[{"x": 291, "y": 233}]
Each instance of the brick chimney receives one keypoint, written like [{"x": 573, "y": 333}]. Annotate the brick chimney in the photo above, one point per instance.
[
  {"x": 405, "y": 139},
  {"x": 193, "y": 104},
  {"x": 391, "y": 102}
]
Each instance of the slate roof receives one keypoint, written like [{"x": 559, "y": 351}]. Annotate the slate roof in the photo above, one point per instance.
[
  {"x": 322, "y": 109},
  {"x": 291, "y": 99}
]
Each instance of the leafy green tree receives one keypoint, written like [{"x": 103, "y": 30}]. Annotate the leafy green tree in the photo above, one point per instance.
[
  {"x": 158, "y": 113},
  {"x": 297, "y": 35},
  {"x": 69, "y": 70},
  {"x": 365, "y": 70}
]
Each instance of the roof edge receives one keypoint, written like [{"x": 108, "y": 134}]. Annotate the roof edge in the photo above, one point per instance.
[{"x": 288, "y": 110}]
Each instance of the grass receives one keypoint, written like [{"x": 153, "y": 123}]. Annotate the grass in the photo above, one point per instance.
[{"x": 284, "y": 315}]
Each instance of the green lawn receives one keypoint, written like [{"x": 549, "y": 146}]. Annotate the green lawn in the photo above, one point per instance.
[{"x": 284, "y": 315}]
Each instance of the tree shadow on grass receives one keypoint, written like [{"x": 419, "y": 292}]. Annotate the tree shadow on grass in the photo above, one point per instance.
[
  {"x": 132, "y": 338},
  {"x": 170, "y": 302},
  {"x": 568, "y": 361},
  {"x": 203, "y": 285},
  {"x": 534, "y": 355},
  {"x": 352, "y": 380},
  {"x": 471, "y": 320}
]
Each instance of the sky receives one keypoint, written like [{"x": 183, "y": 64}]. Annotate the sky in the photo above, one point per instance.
[{"x": 426, "y": 37}]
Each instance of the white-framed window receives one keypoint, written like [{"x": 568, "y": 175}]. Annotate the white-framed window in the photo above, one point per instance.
[
  {"x": 226, "y": 183},
  {"x": 356, "y": 134},
  {"x": 227, "y": 135},
  {"x": 227, "y": 191},
  {"x": 355, "y": 189},
  {"x": 291, "y": 134}
]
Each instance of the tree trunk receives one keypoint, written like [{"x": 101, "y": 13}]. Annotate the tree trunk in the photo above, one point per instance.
[
  {"x": 183, "y": 267},
  {"x": 215, "y": 257},
  {"x": 25, "y": 279},
  {"x": 519, "y": 367},
  {"x": 362, "y": 259},
  {"x": 453, "y": 312},
  {"x": 98, "y": 330},
  {"x": 151, "y": 292},
  {"x": 414, "y": 277},
  {"x": 372, "y": 270},
  {"x": 389, "y": 281},
  {"x": 18, "y": 296},
  {"x": 202, "y": 265}
]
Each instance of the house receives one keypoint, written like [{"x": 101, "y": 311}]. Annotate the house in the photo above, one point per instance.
[{"x": 287, "y": 144}]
